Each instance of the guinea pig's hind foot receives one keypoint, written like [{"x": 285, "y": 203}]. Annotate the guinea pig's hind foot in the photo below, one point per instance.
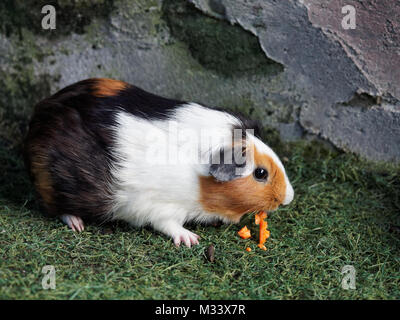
[{"x": 74, "y": 222}]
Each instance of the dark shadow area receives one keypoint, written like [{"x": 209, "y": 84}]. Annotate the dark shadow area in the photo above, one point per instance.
[
  {"x": 216, "y": 44},
  {"x": 15, "y": 185},
  {"x": 363, "y": 100}
]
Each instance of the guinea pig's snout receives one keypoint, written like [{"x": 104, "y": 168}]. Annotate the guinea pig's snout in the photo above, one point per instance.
[{"x": 289, "y": 194}]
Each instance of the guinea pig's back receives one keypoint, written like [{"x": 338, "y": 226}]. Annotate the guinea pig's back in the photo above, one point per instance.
[
  {"x": 69, "y": 147},
  {"x": 67, "y": 155}
]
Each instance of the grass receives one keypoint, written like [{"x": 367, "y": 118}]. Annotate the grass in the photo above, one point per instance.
[{"x": 345, "y": 212}]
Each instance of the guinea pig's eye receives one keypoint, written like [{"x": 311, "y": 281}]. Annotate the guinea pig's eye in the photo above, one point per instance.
[{"x": 261, "y": 174}]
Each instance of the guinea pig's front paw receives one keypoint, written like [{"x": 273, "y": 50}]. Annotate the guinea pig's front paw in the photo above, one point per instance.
[{"x": 187, "y": 237}]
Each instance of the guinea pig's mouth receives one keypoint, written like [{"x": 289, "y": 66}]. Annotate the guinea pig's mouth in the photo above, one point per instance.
[{"x": 270, "y": 213}]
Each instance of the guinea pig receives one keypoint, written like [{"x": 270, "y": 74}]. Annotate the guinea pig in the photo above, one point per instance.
[{"x": 103, "y": 149}]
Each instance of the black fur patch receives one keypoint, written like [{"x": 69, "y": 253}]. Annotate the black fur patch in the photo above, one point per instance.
[
  {"x": 142, "y": 104},
  {"x": 248, "y": 124}
]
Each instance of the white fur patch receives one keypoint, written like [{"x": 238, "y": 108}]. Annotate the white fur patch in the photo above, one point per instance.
[
  {"x": 149, "y": 186},
  {"x": 150, "y": 193}
]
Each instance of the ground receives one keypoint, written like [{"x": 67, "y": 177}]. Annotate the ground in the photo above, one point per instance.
[{"x": 345, "y": 212}]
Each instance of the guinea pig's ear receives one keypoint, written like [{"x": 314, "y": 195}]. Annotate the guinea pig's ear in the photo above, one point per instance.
[{"x": 230, "y": 163}]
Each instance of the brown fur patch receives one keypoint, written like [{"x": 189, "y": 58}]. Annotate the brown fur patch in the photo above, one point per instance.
[
  {"x": 41, "y": 175},
  {"x": 232, "y": 199},
  {"x": 108, "y": 87}
]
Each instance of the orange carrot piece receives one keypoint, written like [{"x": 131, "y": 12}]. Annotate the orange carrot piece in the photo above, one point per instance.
[
  {"x": 244, "y": 233},
  {"x": 248, "y": 249},
  {"x": 260, "y": 216},
  {"x": 264, "y": 233}
]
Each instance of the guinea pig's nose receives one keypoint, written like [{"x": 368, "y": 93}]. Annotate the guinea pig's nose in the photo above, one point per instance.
[{"x": 289, "y": 194}]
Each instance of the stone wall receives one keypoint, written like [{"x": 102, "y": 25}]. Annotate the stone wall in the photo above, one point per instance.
[{"x": 288, "y": 63}]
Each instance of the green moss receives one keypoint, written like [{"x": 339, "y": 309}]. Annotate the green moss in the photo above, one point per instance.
[
  {"x": 216, "y": 44},
  {"x": 72, "y": 15},
  {"x": 268, "y": 114},
  {"x": 21, "y": 89},
  {"x": 18, "y": 94}
]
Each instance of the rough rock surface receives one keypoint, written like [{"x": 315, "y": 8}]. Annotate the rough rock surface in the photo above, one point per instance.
[
  {"x": 288, "y": 63},
  {"x": 142, "y": 42},
  {"x": 350, "y": 79}
]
